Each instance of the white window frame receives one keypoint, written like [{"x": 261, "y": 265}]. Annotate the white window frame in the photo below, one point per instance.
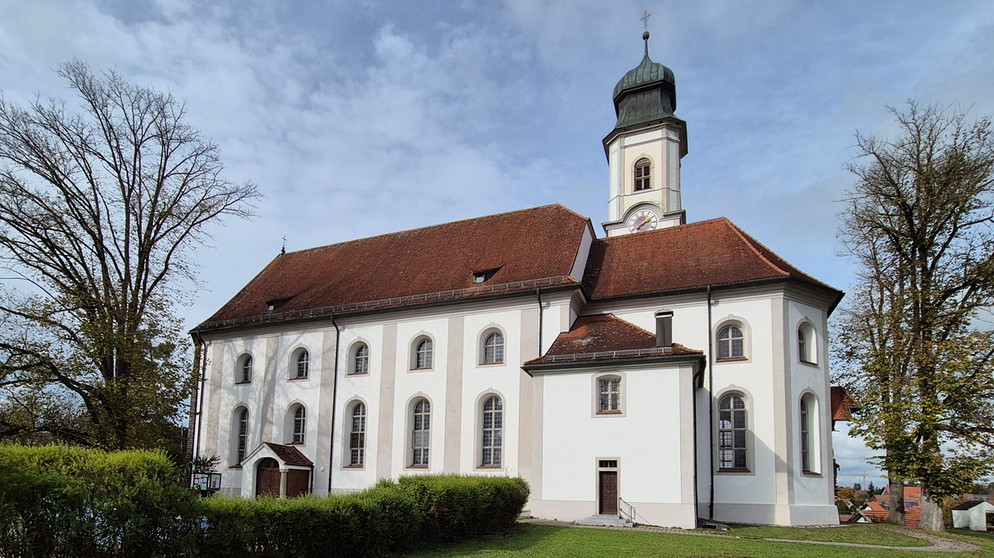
[
  {"x": 420, "y": 431},
  {"x": 356, "y": 436},
  {"x": 357, "y": 367},
  {"x": 728, "y": 425},
  {"x": 497, "y": 350},
  {"x": 491, "y": 432}
]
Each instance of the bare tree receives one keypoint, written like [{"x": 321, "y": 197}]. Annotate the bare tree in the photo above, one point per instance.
[
  {"x": 919, "y": 222},
  {"x": 100, "y": 210}
]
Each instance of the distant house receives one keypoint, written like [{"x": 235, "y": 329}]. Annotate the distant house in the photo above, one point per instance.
[
  {"x": 877, "y": 510},
  {"x": 975, "y": 515}
]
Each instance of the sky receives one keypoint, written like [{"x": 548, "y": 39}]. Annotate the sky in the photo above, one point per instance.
[{"x": 360, "y": 118}]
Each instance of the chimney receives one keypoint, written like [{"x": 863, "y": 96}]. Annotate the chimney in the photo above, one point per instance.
[{"x": 664, "y": 328}]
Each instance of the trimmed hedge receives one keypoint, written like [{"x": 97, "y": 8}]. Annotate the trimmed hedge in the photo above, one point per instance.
[
  {"x": 389, "y": 517},
  {"x": 68, "y": 502},
  {"x": 60, "y": 501}
]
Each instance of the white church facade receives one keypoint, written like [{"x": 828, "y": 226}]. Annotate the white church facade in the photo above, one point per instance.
[{"x": 669, "y": 371}]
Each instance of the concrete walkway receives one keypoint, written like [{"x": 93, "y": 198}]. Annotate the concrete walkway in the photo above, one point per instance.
[{"x": 938, "y": 544}]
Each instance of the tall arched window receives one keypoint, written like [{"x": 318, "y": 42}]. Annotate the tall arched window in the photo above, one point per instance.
[
  {"x": 807, "y": 346},
  {"x": 493, "y": 348},
  {"x": 423, "y": 354},
  {"x": 241, "y": 434},
  {"x": 643, "y": 174},
  {"x": 731, "y": 342},
  {"x": 805, "y": 438},
  {"x": 733, "y": 426},
  {"x": 420, "y": 433},
  {"x": 357, "y": 436},
  {"x": 360, "y": 359},
  {"x": 243, "y": 373},
  {"x": 303, "y": 365},
  {"x": 299, "y": 424},
  {"x": 492, "y": 440},
  {"x": 809, "y": 441}
]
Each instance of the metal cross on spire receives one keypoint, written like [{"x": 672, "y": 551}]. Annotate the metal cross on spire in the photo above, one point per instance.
[{"x": 646, "y": 14}]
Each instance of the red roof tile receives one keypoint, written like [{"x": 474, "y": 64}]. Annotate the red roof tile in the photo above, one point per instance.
[
  {"x": 524, "y": 249},
  {"x": 290, "y": 455},
  {"x": 684, "y": 257},
  {"x": 842, "y": 403},
  {"x": 597, "y": 338}
]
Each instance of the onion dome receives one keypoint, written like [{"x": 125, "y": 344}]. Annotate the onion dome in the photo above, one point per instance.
[{"x": 644, "y": 96}]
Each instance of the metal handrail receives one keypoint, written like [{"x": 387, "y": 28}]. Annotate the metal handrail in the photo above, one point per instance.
[{"x": 622, "y": 511}]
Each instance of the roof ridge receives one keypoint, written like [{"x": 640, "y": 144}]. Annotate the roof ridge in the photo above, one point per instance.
[
  {"x": 752, "y": 244},
  {"x": 434, "y": 226}
]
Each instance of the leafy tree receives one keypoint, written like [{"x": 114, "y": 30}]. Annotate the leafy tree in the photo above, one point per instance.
[
  {"x": 918, "y": 222},
  {"x": 100, "y": 210}
]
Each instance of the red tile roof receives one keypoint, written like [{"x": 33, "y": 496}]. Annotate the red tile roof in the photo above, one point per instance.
[
  {"x": 525, "y": 249},
  {"x": 519, "y": 251},
  {"x": 606, "y": 337},
  {"x": 842, "y": 403},
  {"x": 290, "y": 455},
  {"x": 685, "y": 257}
]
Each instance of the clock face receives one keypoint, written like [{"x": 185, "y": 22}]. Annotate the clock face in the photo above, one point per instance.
[{"x": 642, "y": 220}]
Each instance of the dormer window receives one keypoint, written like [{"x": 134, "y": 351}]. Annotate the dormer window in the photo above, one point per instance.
[
  {"x": 481, "y": 277},
  {"x": 643, "y": 172},
  {"x": 276, "y": 303}
]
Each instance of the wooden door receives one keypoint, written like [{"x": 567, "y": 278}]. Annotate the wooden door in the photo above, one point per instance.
[
  {"x": 608, "y": 484},
  {"x": 267, "y": 478},
  {"x": 297, "y": 482}
]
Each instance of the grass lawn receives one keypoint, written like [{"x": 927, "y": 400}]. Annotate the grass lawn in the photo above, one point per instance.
[{"x": 533, "y": 541}]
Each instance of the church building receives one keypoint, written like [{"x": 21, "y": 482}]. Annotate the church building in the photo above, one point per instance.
[{"x": 666, "y": 372}]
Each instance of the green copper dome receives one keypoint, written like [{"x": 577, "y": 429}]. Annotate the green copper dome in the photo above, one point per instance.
[{"x": 645, "y": 96}]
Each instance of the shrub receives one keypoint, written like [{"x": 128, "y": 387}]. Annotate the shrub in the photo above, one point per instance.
[
  {"x": 60, "y": 501},
  {"x": 68, "y": 502}
]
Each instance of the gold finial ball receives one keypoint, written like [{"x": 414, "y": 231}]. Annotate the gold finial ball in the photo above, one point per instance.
[{"x": 645, "y": 36}]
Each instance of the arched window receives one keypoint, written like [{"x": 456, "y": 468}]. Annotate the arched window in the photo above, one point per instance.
[
  {"x": 609, "y": 394},
  {"x": 241, "y": 434},
  {"x": 807, "y": 346},
  {"x": 302, "y": 365},
  {"x": 805, "y": 438},
  {"x": 493, "y": 348},
  {"x": 357, "y": 436},
  {"x": 809, "y": 433},
  {"x": 733, "y": 427},
  {"x": 420, "y": 433},
  {"x": 492, "y": 440},
  {"x": 243, "y": 372},
  {"x": 422, "y": 354},
  {"x": 731, "y": 343},
  {"x": 643, "y": 174},
  {"x": 360, "y": 359},
  {"x": 299, "y": 424}
]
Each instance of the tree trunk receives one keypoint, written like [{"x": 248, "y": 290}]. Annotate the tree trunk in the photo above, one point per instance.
[
  {"x": 896, "y": 500},
  {"x": 932, "y": 516}
]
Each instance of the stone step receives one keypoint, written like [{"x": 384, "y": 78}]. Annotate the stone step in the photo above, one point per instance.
[{"x": 606, "y": 520}]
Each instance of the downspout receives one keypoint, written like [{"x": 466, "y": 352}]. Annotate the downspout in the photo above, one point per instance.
[
  {"x": 334, "y": 403},
  {"x": 710, "y": 372},
  {"x": 200, "y": 366},
  {"x": 538, "y": 294},
  {"x": 693, "y": 399}
]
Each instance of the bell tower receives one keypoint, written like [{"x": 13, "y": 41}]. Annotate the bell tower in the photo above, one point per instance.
[{"x": 644, "y": 151}]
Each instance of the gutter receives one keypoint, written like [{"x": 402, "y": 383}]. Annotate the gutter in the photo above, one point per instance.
[
  {"x": 200, "y": 368},
  {"x": 538, "y": 295},
  {"x": 334, "y": 402},
  {"x": 710, "y": 365}
]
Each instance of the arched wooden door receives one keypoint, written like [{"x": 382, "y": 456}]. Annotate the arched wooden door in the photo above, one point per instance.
[{"x": 267, "y": 478}]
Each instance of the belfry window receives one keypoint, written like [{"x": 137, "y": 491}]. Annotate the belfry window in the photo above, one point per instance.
[{"x": 643, "y": 173}]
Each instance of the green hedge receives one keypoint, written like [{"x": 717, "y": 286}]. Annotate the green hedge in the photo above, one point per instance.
[
  {"x": 68, "y": 502},
  {"x": 389, "y": 517},
  {"x": 60, "y": 501}
]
